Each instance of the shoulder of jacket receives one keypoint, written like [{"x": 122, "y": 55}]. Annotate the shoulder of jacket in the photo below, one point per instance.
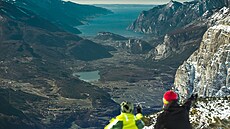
[
  {"x": 120, "y": 117},
  {"x": 162, "y": 114}
]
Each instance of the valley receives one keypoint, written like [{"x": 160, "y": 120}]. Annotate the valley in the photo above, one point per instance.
[
  {"x": 44, "y": 58},
  {"x": 124, "y": 79}
]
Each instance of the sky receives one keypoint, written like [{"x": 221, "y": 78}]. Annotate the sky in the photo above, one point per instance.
[{"x": 123, "y": 1}]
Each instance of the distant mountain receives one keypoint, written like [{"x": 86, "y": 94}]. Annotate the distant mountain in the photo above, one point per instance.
[
  {"x": 66, "y": 15},
  {"x": 25, "y": 27},
  {"x": 163, "y": 19}
]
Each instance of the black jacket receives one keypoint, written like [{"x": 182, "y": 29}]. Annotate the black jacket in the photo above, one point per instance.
[{"x": 174, "y": 116}]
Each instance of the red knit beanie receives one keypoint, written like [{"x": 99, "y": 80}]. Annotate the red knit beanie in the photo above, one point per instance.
[{"x": 170, "y": 96}]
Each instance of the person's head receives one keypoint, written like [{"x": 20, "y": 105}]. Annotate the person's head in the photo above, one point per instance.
[
  {"x": 169, "y": 96},
  {"x": 126, "y": 107}
]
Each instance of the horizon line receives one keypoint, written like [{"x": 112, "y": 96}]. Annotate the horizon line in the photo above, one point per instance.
[
  {"x": 120, "y": 4},
  {"x": 82, "y": 3}
]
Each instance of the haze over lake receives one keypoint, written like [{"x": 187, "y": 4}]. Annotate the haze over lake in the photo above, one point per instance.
[{"x": 122, "y": 17}]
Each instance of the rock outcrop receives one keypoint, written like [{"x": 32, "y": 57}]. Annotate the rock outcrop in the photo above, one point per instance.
[
  {"x": 110, "y": 36},
  {"x": 136, "y": 46},
  {"x": 180, "y": 41},
  {"x": 207, "y": 70}
]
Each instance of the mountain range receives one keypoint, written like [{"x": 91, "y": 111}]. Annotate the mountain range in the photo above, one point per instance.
[{"x": 166, "y": 18}]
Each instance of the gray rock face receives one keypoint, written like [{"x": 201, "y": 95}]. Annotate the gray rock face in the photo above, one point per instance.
[
  {"x": 169, "y": 17},
  {"x": 156, "y": 20},
  {"x": 178, "y": 42},
  {"x": 207, "y": 70},
  {"x": 163, "y": 50},
  {"x": 182, "y": 25},
  {"x": 213, "y": 4},
  {"x": 136, "y": 46}
]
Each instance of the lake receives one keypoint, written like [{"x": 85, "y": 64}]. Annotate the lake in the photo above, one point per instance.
[
  {"x": 88, "y": 76},
  {"x": 122, "y": 17}
]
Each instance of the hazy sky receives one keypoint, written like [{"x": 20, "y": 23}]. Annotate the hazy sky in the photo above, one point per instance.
[{"x": 123, "y": 1}]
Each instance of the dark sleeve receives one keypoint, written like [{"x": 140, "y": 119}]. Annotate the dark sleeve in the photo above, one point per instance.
[
  {"x": 187, "y": 104},
  {"x": 159, "y": 123}
]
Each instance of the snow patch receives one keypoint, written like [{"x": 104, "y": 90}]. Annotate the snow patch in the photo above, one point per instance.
[
  {"x": 206, "y": 112},
  {"x": 226, "y": 28}
]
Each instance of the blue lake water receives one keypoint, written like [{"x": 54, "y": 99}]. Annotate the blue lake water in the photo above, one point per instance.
[
  {"x": 88, "y": 76},
  {"x": 122, "y": 17}
]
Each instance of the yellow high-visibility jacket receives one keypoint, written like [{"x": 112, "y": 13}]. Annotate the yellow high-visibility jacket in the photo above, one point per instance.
[{"x": 126, "y": 121}]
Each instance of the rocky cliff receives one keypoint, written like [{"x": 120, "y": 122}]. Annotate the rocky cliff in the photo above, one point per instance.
[
  {"x": 136, "y": 46},
  {"x": 206, "y": 71},
  {"x": 180, "y": 41},
  {"x": 185, "y": 39},
  {"x": 174, "y": 15}
]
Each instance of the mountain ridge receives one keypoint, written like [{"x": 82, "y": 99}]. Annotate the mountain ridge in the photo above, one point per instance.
[
  {"x": 66, "y": 15},
  {"x": 163, "y": 19}
]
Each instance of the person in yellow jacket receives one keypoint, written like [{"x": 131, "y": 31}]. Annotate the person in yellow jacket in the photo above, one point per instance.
[{"x": 127, "y": 120}]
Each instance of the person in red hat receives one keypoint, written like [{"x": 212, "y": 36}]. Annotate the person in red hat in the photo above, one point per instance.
[{"x": 174, "y": 116}]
